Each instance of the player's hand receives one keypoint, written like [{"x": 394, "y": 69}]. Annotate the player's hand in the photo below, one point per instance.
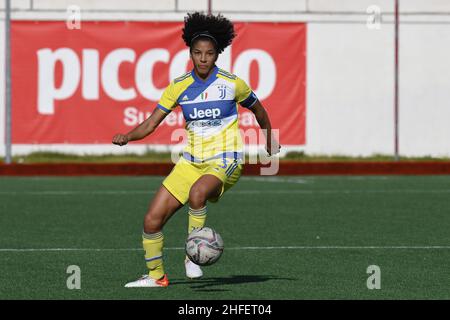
[{"x": 120, "y": 139}]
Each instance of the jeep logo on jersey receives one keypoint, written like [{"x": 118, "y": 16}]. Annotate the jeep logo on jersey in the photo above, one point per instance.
[{"x": 199, "y": 114}]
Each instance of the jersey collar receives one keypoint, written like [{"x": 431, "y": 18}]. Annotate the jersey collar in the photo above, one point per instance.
[{"x": 211, "y": 78}]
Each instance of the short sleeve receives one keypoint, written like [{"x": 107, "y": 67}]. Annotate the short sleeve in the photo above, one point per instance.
[
  {"x": 244, "y": 95},
  {"x": 168, "y": 100}
]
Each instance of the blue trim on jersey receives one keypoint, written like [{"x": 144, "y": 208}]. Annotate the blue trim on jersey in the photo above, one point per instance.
[
  {"x": 229, "y": 155},
  {"x": 249, "y": 101},
  {"x": 212, "y": 77},
  {"x": 197, "y": 87},
  {"x": 191, "y": 92},
  {"x": 190, "y": 157},
  {"x": 215, "y": 109},
  {"x": 163, "y": 109}
]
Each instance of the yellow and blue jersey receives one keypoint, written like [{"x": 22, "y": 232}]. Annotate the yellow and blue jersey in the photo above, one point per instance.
[{"x": 210, "y": 109}]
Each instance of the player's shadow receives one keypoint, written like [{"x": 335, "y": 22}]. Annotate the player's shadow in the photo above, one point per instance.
[{"x": 208, "y": 284}]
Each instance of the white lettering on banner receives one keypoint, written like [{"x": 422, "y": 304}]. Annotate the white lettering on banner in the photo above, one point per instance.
[
  {"x": 267, "y": 70},
  {"x": 224, "y": 60},
  {"x": 110, "y": 74},
  {"x": 134, "y": 117},
  {"x": 90, "y": 84},
  {"x": 47, "y": 92},
  {"x": 179, "y": 64},
  {"x": 144, "y": 73},
  {"x": 108, "y": 78}
]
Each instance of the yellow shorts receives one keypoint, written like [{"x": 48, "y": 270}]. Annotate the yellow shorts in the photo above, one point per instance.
[{"x": 186, "y": 173}]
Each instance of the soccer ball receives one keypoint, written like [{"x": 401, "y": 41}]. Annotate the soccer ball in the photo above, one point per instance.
[{"x": 204, "y": 246}]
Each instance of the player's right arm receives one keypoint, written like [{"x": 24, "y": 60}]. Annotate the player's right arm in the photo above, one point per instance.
[
  {"x": 167, "y": 103},
  {"x": 142, "y": 130}
]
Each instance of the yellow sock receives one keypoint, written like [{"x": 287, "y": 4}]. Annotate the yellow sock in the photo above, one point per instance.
[
  {"x": 197, "y": 219},
  {"x": 153, "y": 245}
]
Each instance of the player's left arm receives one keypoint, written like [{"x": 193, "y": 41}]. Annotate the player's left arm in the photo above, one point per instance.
[{"x": 272, "y": 144}]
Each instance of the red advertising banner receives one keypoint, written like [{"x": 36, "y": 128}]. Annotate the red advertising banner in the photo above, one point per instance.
[{"x": 82, "y": 86}]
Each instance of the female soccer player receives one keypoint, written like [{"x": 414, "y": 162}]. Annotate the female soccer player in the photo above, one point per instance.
[{"x": 212, "y": 160}]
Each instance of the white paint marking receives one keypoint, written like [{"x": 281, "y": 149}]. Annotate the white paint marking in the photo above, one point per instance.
[
  {"x": 238, "y": 248},
  {"x": 239, "y": 192}
]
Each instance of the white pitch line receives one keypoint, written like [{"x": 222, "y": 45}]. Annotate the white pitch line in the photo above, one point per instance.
[
  {"x": 244, "y": 192},
  {"x": 237, "y": 248},
  {"x": 341, "y": 247},
  {"x": 74, "y": 192},
  {"x": 276, "y": 180}
]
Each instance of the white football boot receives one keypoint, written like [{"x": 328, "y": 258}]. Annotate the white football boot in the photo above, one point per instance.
[
  {"x": 147, "y": 282},
  {"x": 193, "y": 270}
]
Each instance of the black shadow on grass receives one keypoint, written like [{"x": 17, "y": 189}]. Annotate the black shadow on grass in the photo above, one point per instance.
[{"x": 205, "y": 284}]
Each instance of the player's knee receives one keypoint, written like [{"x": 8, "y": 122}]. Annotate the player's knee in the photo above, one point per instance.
[
  {"x": 152, "y": 224},
  {"x": 197, "y": 196}
]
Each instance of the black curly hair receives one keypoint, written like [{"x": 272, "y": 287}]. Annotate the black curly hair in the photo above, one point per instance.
[{"x": 198, "y": 25}]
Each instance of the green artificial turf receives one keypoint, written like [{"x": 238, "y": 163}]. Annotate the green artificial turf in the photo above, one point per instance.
[{"x": 285, "y": 238}]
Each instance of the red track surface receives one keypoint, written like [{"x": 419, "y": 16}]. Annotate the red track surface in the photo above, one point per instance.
[{"x": 286, "y": 168}]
